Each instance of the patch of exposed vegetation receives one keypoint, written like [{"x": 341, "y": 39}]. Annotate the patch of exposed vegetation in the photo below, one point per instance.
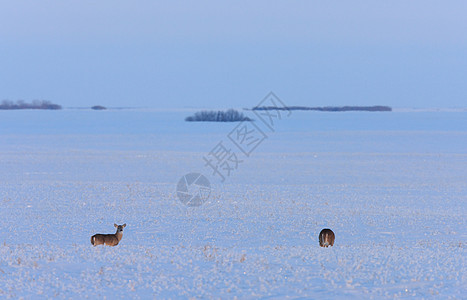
[
  {"x": 230, "y": 115},
  {"x": 327, "y": 108},
  {"x": 36, "y": 104}
]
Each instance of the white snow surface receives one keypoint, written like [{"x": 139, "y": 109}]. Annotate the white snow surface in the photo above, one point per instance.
[{"x": 392, "y": 187}]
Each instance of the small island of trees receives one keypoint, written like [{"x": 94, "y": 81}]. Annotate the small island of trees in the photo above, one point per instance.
[
  {"x": 327, "y": 108},
  {"x": 36, "y": 104},
  {"x": 230, "y": 115}
]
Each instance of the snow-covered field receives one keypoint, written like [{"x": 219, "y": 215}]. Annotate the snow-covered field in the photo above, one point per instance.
[{"x": 392, "y": 186}]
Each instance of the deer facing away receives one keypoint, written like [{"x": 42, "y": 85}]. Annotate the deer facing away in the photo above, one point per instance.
[
  {"x": 108, "y": 239},
  {"x": 326, "y": 238}
]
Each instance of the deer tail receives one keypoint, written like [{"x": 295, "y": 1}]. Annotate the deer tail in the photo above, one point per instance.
[{"x": 92, "y": 239}]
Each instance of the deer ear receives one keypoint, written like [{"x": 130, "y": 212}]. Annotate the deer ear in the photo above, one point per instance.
[
  {"x": 115, "y": 225},
  {"x": 124, "y": 225}
]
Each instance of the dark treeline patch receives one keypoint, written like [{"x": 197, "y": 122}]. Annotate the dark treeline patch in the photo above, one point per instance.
[
  {"x": 36, "y": 104},
  {"x": 327, "y": 108},
  {"x": 230, "y": 115}
]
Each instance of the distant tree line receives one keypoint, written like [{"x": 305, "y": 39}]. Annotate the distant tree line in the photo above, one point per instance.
[
  {"x": 230, "y": 115},
  {"x": 36, "y": 104},
  {"x": 327, "y": 108}
]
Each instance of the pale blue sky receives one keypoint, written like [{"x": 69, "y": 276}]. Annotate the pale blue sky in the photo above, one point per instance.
[{"x": 230, "y": 54}]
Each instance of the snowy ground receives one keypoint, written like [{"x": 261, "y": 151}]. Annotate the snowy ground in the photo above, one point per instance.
[{"x": 396, "y": 200}]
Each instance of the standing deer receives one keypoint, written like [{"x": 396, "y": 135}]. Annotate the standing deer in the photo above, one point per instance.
[
  {"x": 326, "y": 238},
  {"x": 108, "y": 239}
]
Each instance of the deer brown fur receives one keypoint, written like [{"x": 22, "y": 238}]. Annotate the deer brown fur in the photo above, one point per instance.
[
  {"x": 326, "y": 238},
  {"x": 108, "y": 239}
]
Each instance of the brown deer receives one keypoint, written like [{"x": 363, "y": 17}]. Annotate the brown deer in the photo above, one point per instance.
[
  {"x": 108, "y": 239},
  {"x": 326, "y": 238}
]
